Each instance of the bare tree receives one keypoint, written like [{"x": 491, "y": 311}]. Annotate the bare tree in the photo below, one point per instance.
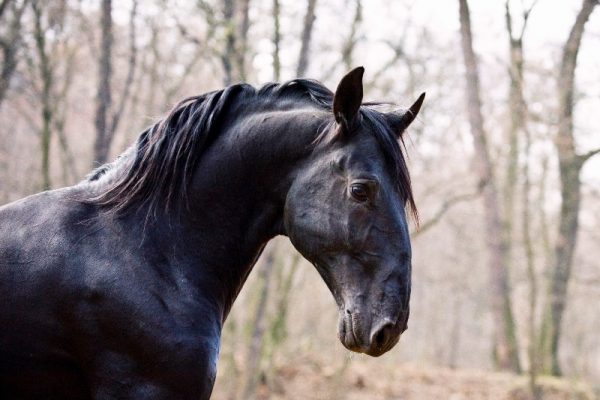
[
  {"x": 51, "y": 62},
  {"x": 258, "y": 332},
  {"x": 10, "y": 40},
  {"x": 132, "y": 62},
  {"x": 104, "y": 97},
  {"x": 47, "y": 78},
  {"x": 243, "y": 28},
  {"x": 570, "y": 165},
  {"x": 305, "y": 40},
  {"x": 516, "y": 108},
  {"x": 505, "y": 342},
  {"x": 517, "y": 133},
  {"x": 228, "y": 54},
  {"x": 108, "y": 115},
  {"x": 276, "y": 41}
]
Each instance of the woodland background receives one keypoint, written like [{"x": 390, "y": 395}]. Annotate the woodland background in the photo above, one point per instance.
[{"x": 506, "y": 270}]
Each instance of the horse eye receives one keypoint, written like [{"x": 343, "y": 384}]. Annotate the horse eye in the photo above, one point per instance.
[{"x": 359, "y": 191}]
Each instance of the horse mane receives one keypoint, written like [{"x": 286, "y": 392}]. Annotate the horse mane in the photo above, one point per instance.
[{"x": 158, "y": 168}]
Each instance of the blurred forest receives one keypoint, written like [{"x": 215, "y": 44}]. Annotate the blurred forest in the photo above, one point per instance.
[{"x": 506, "y": 270}]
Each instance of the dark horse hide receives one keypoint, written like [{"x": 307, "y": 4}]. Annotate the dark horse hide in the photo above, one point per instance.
[{"x": 118, "y": 287}]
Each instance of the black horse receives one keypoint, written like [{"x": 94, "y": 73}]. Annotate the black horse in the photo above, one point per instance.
[{"x": 118, "y": 287}]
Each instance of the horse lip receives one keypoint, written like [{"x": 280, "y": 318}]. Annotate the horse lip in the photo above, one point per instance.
[
  {"x": 352, "y": 332},
  {"x": 348, "y": 336}
]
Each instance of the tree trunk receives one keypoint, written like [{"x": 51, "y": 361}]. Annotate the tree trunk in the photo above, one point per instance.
[
  {"x": 277, "y": 334},
  {"x": 132, "y": 62},
  {"x": 10, "y": 45},
  {"x": 227, "y": 57},
  {"x": 276, "y": 41},
  {"x": 532, "y": 350},
  {"x": 570, "y": 164},
  {"x": 517, "y": 130},
  {"x": 505, "y": 343},
  {"x": 253, "y": 360},
  {"x": 516, "y": 106},
  {"x": 242, "y": 50},
  {"x": 46, "y": 77},
  {"x": 309, "y": 20},
  {"x": 103, "y": 132}
]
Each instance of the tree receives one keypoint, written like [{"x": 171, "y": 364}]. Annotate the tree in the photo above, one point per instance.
[
  {"x": 518, "y": 133},
  {"x": 108, "y": 117},
  {"x": 10, "y": 40},
  {"x": 104, "y": 97},
  {"x": 228, "y": 54},
  {"x": 243, "y": 28},
  {"x": 276, "y": 41},
  {"x": 505, "y": 342},
  {"x": 257, "y": 339},
  {"x": 305, "y": 40},
  {"x": 47, "y": 77},
  {"x": 570, "y": 165}
]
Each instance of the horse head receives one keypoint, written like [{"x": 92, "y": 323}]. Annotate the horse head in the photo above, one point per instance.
[{"x": 345, "y": 213}]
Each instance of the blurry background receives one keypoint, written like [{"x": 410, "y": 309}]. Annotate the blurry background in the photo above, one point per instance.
[{"x": 506, "y": 270}]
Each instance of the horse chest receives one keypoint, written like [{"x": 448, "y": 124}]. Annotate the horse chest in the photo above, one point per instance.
[{"x": 149, "y": 344}]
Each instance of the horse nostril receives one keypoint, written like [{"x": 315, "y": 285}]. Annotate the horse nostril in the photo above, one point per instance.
[
  {"x": 380, "y": 339},
  {"x": 381, "y": 336}
]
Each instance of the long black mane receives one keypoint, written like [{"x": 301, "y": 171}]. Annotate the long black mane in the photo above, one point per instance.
[{"x": 157, "y": 170}]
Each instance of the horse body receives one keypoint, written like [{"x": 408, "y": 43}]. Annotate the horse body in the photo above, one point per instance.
[
  {"x": 85, "y": 307},
  {"x": 100, "y": 304}
]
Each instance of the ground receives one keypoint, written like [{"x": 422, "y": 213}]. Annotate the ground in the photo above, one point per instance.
[{"x": 311, "y": 380}]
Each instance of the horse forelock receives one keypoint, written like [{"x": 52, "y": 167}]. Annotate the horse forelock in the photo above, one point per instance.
[{"x": 394, "y": 151}]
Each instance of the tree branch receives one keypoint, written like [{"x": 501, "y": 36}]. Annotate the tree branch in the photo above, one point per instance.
[
  {"x": 584, "y": 157},
  {"x": 526, "y": 14},
  {"x": 446, "y": 206},
  {"x": 508, "y": 19},
  {"x": 3, "y": 5}
]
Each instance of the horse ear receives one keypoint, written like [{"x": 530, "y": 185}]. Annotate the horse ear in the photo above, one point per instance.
[
  {"x": 398, "y": 122},
  {"x": 348, "y": 97}
]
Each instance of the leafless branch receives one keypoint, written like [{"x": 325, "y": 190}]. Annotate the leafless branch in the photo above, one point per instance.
[
  {"x": 446, "y": 206},
  {"x": 185, "y": 33},
  {"x": 525, "y": 18},
  {"x": 526, "y": 14},
  {"x": 398, "y": 49},
  {"x": 187, "y": 69},
  {"x": 584, "y": 157}
]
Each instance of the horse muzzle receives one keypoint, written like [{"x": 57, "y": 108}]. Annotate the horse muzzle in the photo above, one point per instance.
[{"x": 372, "y": 338}]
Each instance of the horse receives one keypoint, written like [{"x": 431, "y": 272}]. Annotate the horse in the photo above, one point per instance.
[{"x": 118, "y": 287}]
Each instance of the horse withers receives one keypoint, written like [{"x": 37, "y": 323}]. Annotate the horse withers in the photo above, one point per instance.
[{"x": 118, "y": 287}]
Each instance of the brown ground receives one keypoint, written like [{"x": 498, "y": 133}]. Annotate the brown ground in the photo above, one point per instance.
[{"x": 307, "y": 379}]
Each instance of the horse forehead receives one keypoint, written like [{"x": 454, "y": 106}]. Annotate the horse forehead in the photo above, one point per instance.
[{"x": 364, "y": 152}]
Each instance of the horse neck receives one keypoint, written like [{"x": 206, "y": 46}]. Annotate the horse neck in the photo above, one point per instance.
[{"x": 238, "y": 194}]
